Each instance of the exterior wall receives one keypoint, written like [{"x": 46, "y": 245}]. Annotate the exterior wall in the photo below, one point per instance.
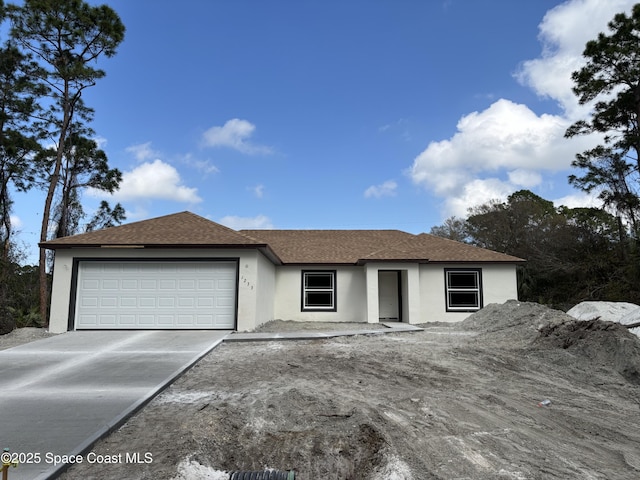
[
  {"x": 265, "y": 295},
  {"x": 267, "y": 292},
  {"x": 350, "y": 295},
  {"x": 251, "y": 271},
  {"x": 499, "y": 284}
]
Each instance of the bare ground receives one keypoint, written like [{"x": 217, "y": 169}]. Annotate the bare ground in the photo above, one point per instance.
[
  {"x": 452, "y": 402},
  {"x": 20, "y": 336}
]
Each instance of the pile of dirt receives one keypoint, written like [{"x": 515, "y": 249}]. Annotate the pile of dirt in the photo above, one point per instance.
[
  {"x": 20, "y": 336},
  {"x": 602, "y": 343},
  {"x": 517, "y": 323}
]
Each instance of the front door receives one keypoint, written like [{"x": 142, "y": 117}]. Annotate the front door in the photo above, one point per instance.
[{"x": 389, "y": 295}]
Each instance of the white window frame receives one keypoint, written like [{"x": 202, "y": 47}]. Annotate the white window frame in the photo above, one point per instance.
[
  {"x": 475, "y": 290},
  {"x": 306, "y": 289}
]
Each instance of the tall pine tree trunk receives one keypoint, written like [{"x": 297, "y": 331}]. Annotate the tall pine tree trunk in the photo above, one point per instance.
[{"x": 46, "y": 213}]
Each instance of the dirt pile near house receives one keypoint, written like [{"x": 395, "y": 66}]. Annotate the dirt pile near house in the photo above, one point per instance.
[
  {"x": 516, "y": 323},
  {"x": 602, "y": 343},
  {"x": 23, "y": 335},
  {"x": 453, "y": 401}
]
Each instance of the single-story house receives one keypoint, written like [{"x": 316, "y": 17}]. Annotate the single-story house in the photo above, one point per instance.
[{"x": 183, "y": 271}]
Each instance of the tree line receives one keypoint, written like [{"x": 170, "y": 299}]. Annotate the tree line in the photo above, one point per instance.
[
  {"x": 49, "y": 56},
  {"x": 572, "y": 254}
]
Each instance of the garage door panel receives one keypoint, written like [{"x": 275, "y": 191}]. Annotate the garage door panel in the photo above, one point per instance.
[
  {"x": 88, "y": 320},
  {"x": 147, "y": 302},
  {"x": 221, "y": 320},
  {"x": 222, "y": 302},
  {"x": 111, "y": 267},
  {"x": 127, "y": 320},
  {"x": 148, "y": 284},
  {"x": 205, "y": 302},
  {"x": 165, "y": 320},
  {"x": 225, "y": 285},
  {"x": 185, "y": 320},
  {"x": 166, "y": 302},
  {"x": 206, "y": 285},
  {"x": 91, "y": 285},
  {"x": 187, "y": 285},
  {"x": 108, "y": 302},
  {"x": 90, "y": 302},
  {"x": 186, "y": 302},
  {"x": 109, "y": 284},
  {"x": 202, "y": 320},
  {"x": 129, "y": 294},
  {"x": 168, "y": 284},
  {"x": 128, "y": 302}
]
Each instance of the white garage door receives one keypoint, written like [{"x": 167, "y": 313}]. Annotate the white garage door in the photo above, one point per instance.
[{"x": 156, "y": 295}]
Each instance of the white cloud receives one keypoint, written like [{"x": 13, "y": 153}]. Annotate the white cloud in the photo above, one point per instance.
[
  {"x": 477, "y": 192},
  {"x": 579, "y": 200},
  {"x": 239, "y": 223},
  {"x": 138, "y": 212},
  {"x": 524, "y": 178},
  {"x": 386, "y": 189},
  {"x": 142, "y": 151},
  {"x": 258, "y": 191},
  {"x": 508, "y": 144},
  {"x": 16, "y": 222},
  {"x": 101, "y": 142},
  {"x": 564, "y": 31},
  {"x": 235, "y": 134},
  {"x": 203, "y": 166},
  {"x": 156, "y": 180},
  {"x": 505, "y": 136}
]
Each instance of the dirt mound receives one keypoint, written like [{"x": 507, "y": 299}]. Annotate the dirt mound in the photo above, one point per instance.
[
  {"x": 517, "y": 321},
  {"x": 20, "y": 336},
  {"x": 603, "y": 343}
]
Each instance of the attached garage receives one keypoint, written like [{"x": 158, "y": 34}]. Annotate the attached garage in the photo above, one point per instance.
[{"x": 155, "y": 294}]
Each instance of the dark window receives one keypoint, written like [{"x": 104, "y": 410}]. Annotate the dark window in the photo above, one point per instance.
[
  {"x": 318, "y": 290},
  {"x": 463, "y": 290}
]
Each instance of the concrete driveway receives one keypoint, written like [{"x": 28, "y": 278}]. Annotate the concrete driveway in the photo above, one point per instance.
[{"x": 59, "y": 395}]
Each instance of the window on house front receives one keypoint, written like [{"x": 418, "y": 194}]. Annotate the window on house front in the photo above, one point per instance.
[
  {"x": 319, "y": 290},
  {"x": 463, "y": 289}
]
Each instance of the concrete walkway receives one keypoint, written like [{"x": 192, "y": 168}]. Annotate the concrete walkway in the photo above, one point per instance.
[
  {"x": 387, "y": 327},
  {"x": 61, "y": 394}
]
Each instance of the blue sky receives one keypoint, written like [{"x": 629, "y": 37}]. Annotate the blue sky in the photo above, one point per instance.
[{"x": 338, "y": 114}]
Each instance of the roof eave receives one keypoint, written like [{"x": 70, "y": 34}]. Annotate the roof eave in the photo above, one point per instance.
[
  {"x": 364, "y": 261},
  {"x": 507, "y": 261},
  {"x": 264, "y": 248}
]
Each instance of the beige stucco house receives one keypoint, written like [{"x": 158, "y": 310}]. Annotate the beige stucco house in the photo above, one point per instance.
[{"x": 183, "y": 271}]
